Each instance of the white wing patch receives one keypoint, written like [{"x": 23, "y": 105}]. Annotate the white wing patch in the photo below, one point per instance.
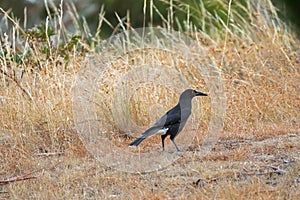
[{"x": 162, "y": 131}]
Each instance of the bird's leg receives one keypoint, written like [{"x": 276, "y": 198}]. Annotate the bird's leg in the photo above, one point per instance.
[
  {"x": 175, "y": 144},
  {"x": 163, "y": 141}
]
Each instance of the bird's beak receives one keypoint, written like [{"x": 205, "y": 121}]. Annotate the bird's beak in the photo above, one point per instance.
[{"x": 200, "y": 93}]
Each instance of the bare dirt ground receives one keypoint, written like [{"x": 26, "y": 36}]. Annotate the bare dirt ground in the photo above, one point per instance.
[{"x": 267, "y": 168}]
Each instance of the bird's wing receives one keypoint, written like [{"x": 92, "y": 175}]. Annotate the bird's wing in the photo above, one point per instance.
[
  {"x": 151, "y": 131},
  {"x": 161, "y": 121},
  {"x": 171, "y": 117}
]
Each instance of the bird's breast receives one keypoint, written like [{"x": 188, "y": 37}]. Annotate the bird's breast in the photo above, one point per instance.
[{"x": 185, "y": 114}]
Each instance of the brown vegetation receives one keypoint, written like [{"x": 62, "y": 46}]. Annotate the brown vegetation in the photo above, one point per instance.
[{"x": 257, "y": 156}]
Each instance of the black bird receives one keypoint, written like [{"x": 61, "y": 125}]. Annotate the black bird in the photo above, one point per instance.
[{"x": 173, "y": 121}]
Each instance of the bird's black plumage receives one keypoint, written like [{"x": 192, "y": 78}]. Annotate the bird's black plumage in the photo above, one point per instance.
[{"x": 173, "y": 121}]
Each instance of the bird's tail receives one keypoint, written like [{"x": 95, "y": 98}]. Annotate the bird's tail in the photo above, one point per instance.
[
  {"x": 137, "y": 141},
  {"x": 147, "y": 133}
]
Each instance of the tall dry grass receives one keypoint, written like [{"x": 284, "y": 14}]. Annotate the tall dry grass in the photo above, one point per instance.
[{"x": 261, "y": 72}]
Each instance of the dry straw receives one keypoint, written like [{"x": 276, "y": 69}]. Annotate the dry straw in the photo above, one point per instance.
[{"x": 259, "y": 62}]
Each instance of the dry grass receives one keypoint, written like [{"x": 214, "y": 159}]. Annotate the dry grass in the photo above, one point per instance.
[{"x": 257, "y": 157}]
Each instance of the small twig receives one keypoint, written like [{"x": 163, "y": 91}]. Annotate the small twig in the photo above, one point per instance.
[
  {"x": 18, "y": 178},
  {"x": 24, "y": 176},
  {"x": 50, "y": 154},
  {"x": 277, "y": 169}
]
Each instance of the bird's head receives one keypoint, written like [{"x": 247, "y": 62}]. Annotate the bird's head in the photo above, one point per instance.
[{"x": 190, "y": 93}]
